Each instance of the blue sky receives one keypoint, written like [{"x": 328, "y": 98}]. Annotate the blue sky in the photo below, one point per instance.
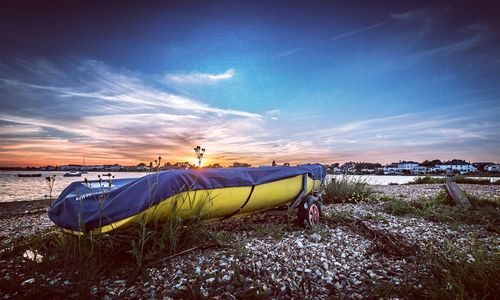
[{"x": 251, "y": 81}]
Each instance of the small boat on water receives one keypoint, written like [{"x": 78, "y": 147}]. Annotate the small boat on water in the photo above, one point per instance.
[
  {"x": 102, "y": 206},
  {"x": 29, "y": 175},
  {"x": 73, "y": 174}
]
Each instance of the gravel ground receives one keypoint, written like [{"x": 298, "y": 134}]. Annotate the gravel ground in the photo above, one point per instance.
[{"x": 335, "y": 260}]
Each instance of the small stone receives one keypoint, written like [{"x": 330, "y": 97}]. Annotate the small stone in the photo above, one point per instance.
[
  {"x": 338, "y": 286},
  {"x": 226, "y": 278},
  {"x": 299, "y": 244},
  {"x": 28, "y": 281},
  {"x": 316, "y": 237},
  {"x": 357, "y": 296},
  {"x": 210, "y": 280}
]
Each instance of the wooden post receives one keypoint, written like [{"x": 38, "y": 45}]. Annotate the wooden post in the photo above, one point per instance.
[{"x": 456, "y": 194}]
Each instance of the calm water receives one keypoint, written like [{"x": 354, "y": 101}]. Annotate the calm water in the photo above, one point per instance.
[{"x": 14, "y": 188}]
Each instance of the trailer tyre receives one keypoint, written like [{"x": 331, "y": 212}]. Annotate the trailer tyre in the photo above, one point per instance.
[{"x": 309, "y": 212}]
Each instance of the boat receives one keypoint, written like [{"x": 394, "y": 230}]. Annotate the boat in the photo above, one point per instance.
[
  {"x": 214, "y": 194},
  {"x": 73, "y": 174},
  {"x": 29, "y": 175}
]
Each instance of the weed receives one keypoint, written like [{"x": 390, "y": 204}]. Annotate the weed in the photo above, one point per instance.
[
  {"x": 440, "y": 209},
  {"x": 399, "y": 207},
  {"x": 427, "y": 180},
  {"x": 382, "y": 198},
  {"x": 465, "y": 275},
  {"x": 464, "y": 179},
  {"x": 347, "y": 189},
  {"x": 276, "y": 231},
  {"x": 433, "y": 209},
  {"x": 456, "y": 178},
  {"x": 376, "y": 217},
  {"x": 340, "y": 216},
  {"x": 222, "y": 237}
]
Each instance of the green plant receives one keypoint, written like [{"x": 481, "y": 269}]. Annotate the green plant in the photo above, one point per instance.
[
  {"x": 382, "y": 197},
  {"x": 464, "y": 179},
  {"x": 464, "y": 275},
  {"x": 276, "y": 231},
  {"x": 347, "y": 189},
  {"x": 399, "y": 207},
  {"x": 427, "y": 180},
  {"x": 340, "y": 216}
]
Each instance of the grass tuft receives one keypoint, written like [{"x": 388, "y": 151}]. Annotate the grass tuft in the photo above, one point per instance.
[
  {"x": 347, "y": 189},
  {"x": 465, "y": 275},
  {"x": 457, "y": 178}
]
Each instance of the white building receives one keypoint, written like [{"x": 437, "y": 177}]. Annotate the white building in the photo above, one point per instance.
[
  {"x": 460, "y": 166},
  {"x": 408, "y": 165},
  {"x": 392, "y": 169},
  {"x": 421, "y": 170},
  {"x": 492, "y": 168}
]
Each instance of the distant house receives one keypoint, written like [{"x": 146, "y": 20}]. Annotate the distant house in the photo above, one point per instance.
[
  {"x": 421, "y": 170},
  {"x": 460, "y": 166},
  {"x": 348, "y": 167},
  {"x": 392, "y": 169},
  {"x": 492, "y": 168},
  {"x": 115, "y": 167},
  {"x": 408, "y": 165},
  {"x": 403, "y": 167}
]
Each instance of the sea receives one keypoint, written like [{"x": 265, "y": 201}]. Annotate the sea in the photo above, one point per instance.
[{"x": 14, "y": 188}]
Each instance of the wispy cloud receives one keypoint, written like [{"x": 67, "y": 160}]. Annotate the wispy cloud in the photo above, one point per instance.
[
  {"x": 200, "y": 78},
  {"x": 425, "y": 18},
  {"x": 86, "y": 108},
  {"x": 363, "y": 29},
  {"x": 289, "y": 52}
]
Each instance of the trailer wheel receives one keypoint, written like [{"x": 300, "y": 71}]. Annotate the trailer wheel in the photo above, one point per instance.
[{"x": 309, "y": 212}]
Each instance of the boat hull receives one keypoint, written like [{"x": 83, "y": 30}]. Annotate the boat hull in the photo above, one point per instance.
[
  {"x": 221, "y": 203},
  {"x": 208, "y": 194}
]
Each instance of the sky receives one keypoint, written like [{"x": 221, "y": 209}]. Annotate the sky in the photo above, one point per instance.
[{"x": 250, "y": 81}]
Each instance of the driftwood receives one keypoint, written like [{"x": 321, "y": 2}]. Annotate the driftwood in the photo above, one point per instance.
[{"x": 456, "y": 194}]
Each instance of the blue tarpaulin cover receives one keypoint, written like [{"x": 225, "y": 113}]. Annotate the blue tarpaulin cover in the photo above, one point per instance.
[{"x": 95, "y": 204}]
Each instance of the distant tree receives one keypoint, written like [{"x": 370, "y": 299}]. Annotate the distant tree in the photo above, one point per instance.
[
  {"x": 183, "y": 165},
  {"x": 141, "y": 164},
  {"x": 241, "y": 165},
  {"x": 431, "y": 163},
  {"x": 216, "y": 165}
]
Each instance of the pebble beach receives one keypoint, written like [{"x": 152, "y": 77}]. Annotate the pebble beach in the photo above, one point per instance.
[{"x": 337, "y": 260}]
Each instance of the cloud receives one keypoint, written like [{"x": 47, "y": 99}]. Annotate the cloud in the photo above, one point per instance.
[
  {"x": 425, "y": 17},
  {"x": 85, "y": 108},
  {"x": 199, "y": 78},
  {"x": 289, "y": 52},
  {"x": 95, "y": 111},
  {"x": 363, "y": 29}
]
